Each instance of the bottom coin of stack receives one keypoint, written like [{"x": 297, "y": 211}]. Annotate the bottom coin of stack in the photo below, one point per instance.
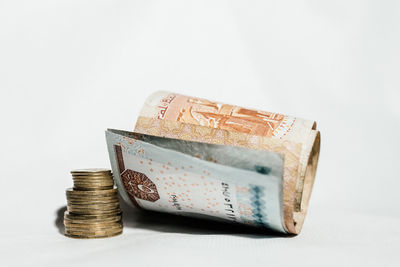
[{"x": 93, "y": 209}]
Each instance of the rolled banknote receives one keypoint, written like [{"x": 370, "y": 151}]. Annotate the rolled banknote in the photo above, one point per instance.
[{"x": 196, "y": 157}]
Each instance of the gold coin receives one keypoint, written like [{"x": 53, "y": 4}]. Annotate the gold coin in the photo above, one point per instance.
[
  {"x": 80, "y": 236},
  {"x": 97, "y": 183},
  {"x": 93, "y": 180},
  {"x": 94, "y": 205},
  {"x": 93, "y": 225},
  {"x": 75, "y": 192},
  {"x": 95, "y": 194},
  {"x": 89, "y": 221},
  {"x": 93, "y": 212},
  {"x": 93, "y": 199},
  {"x": 92, "y": 188},
  {"x": 92, "y": 177},
  {"x": 108, "y": 192},
  {"x": 92, "y": 202},
  {"x": 74, "y": 217},
  {"x": 88, "y": 205},
  {"x": 90, "y": 217},
  {"x": 101, "y": 217},
  {"x": 89, "y": 184},
  {"x": 68, "y": 222},
  {"x": 86, "y": 214},
  {"x": 90, "y": 170},
  {"x": 92, "y": 232},
  {"x": 90, "y": 180},
  {"x": 101, "y": 206},
  {"x": 96, "y": 234},
  {"x": 92, "y": 237}
]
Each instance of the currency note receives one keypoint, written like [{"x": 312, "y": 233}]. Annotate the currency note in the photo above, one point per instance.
[
  {"x": 172, "y": 115},
  {"x": 197, "y": 179}
]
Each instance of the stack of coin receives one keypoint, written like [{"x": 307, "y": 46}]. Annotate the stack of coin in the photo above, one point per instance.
[{"x": 93, "y": 209}]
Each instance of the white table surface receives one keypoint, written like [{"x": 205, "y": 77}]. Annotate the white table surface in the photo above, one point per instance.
[{"x": 71, "y": 69}]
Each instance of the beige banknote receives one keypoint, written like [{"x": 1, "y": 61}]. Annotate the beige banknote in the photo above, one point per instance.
[{"x": 177, "y": 116}]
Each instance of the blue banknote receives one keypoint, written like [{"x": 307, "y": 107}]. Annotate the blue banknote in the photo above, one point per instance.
[{"x": 196, "y": 179}]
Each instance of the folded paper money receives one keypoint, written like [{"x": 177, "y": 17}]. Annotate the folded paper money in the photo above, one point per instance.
[{"x": 195, "y": 157}]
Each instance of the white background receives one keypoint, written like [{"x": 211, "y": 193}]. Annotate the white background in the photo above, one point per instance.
[{"x": 71, "y": 69}]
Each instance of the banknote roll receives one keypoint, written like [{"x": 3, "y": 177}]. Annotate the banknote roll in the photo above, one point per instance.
[{"x": 237, "y": 164}]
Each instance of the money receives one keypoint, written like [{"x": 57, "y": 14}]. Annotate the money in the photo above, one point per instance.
[
  {"x": 92, "y": 205},
  {"x": 92, "y": 171},
  {"x": 98, "y": 193},
  {"x": 72, "y": 218},
  {"x": 92, "y": 179},
  {"x": 183, "y": 178},
  {"x": 92, "y": 234},
  {"x": 155, "y": 177},
  {"x": 104, "y": 208}
]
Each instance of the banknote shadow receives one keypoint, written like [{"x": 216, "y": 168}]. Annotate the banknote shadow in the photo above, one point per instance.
[
  {"x": 162, "y": 222},
  {"x": 168, "y": 223}
]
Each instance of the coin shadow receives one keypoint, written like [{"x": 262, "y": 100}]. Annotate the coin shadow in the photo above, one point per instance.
[
  {"x": 168, "y": 223},
  {"x": 59, "y": 221}
]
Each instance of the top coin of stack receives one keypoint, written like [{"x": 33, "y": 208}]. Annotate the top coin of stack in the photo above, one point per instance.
[
  {"x": 93, "y": 209},
  {"x": 92, "y": 179}
]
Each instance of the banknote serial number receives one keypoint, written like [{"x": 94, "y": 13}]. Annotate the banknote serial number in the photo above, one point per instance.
[
  {"x": 175, "y": 202},
  {"x": 229, "y": 210}
]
